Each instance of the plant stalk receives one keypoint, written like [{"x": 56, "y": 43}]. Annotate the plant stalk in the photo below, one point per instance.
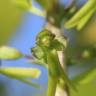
[{"x": 58, "y": 32}]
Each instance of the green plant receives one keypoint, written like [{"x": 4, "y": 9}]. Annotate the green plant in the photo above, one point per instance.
[{"x": 51, "y": 46}]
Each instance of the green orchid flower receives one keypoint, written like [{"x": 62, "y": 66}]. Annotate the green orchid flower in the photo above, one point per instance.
[{"x": 47, "y": 46}]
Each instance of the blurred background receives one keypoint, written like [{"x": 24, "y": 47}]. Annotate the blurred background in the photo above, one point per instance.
[{"x": 19, "y": 29}]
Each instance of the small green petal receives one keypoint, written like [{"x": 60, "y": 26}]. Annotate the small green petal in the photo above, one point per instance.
[{"x": 37, "y": 52}]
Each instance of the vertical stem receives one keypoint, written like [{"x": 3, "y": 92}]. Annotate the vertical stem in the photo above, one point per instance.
[
  {"x": 58, "y": 32},
  {"x": 52, "y": 89}
]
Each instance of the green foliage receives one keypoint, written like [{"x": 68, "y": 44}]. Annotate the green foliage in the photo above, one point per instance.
[
  {"x": 23, "y": 4},
  {"x": 47, "y": 46},
  {"x": 22, "y": 74},
  {"x": 56, "y": 7},
  {"x": 86, "y": 77},
  {"x": 9, "y": 19},
  {"x": 85, "y": 90},
  {"x": 82, "y": 16},
  {"x": 27, "y": 5},
  {"x": 85, "y": 19},
  {"x": 8, "y": 53}
]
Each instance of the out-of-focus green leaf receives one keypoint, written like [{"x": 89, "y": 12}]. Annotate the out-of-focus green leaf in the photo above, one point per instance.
[
  {"x": 10, "y": 17},
  {"x": 23, "y": 4},
  {"x": 82, "y": 12},
  {"x": 8, "y": 53},
  {"x": 27, "y": 5},
  {"x": 85, "y": 90},
  {"x": 85, "y": 19},
  {"x": 37, "y": 11},
  {"x": 22, "y": 74},
  {"x": 85, "y": 77}
]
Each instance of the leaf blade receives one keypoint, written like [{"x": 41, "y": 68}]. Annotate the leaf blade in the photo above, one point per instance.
[
  {"x": 8, "y": 53},
  {"x": 85, "y": 77},
  {"x": 84, "y": 10},
  {"x": 27, "y": 5},
  {"x": 20, "y": 72},
  {"x": 23, "y": 77}
]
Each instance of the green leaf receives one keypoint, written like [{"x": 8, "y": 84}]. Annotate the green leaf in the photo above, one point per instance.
[
  {"x": 37, "y": 11},
  {"x": 27, "y": 5},
  {"x": 82, "y": 12},
  {"x": 85, "y": 77},
  {"x": 85, "y": 19},
  {"x": 23, "y": 4},
  {"x": 20, "y": 72},
  {"x": 10, "y": 18},
  {"x": 8, "y": 53}
]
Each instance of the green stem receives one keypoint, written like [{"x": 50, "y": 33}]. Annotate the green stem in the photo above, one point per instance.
[
  {"x": 52, "y": 83},
  {"x": 58, "y": 32}
]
